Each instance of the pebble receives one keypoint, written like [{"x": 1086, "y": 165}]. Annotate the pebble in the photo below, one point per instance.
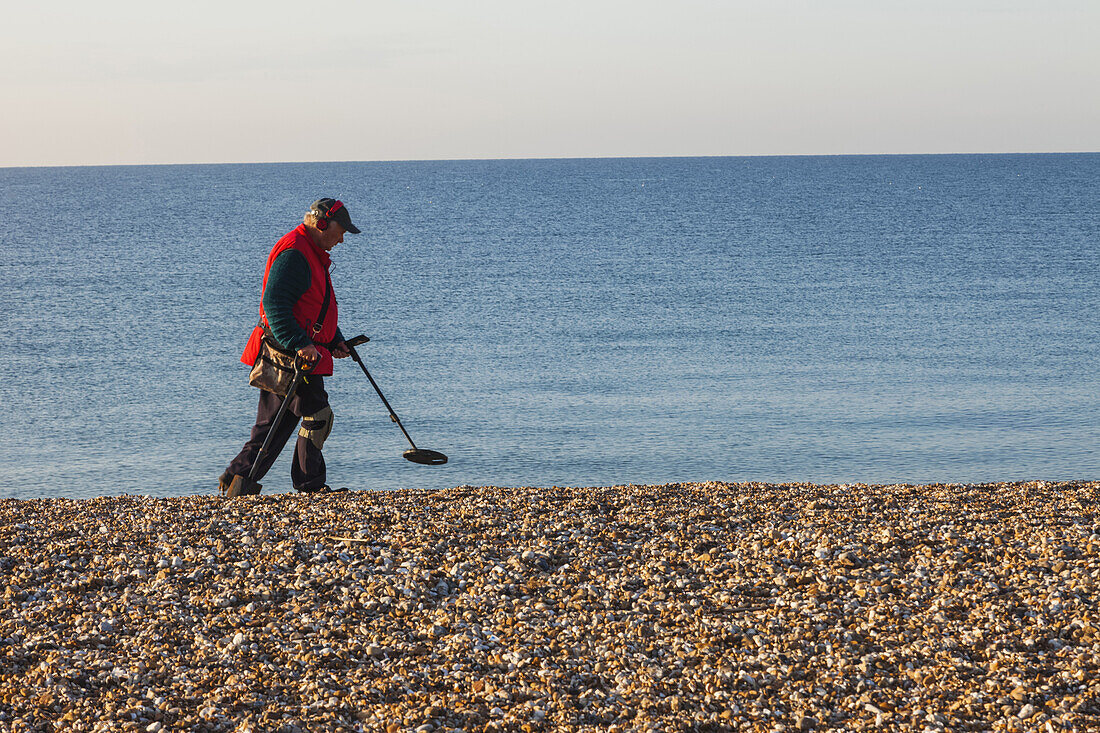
[{"x": 705, "y": 606}]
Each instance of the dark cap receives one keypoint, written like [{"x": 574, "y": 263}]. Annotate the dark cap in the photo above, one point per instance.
[{"x": 333, "y": 210}]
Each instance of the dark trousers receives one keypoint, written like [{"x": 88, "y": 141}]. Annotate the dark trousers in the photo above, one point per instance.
[{"x": 308, "y": 470}]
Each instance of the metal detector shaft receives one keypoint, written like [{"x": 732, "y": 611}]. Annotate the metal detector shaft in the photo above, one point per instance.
[
  {"x": 393, "y": 415},
  {"x": 275, "y": 423}
]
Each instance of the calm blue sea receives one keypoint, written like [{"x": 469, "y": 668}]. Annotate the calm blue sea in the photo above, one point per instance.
[{"x": 568, "y": 322}]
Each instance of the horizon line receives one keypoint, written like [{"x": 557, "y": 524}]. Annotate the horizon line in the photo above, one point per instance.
[{"x": 551, "y": 157}]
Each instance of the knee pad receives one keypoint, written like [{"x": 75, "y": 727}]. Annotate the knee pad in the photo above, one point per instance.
[{"x": 316, "y": 427}]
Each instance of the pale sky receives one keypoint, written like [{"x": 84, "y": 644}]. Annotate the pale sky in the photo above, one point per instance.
[{"x": 195, "y": 81}]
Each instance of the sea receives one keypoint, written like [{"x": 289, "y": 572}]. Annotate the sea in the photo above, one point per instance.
[{"x": 567, "y": 322}]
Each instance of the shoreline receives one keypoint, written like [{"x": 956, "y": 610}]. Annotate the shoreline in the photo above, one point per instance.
[{"x": 708, "y": 606}]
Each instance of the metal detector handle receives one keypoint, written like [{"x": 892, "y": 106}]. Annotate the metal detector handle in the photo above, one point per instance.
[{"x": 355, "y": 341}]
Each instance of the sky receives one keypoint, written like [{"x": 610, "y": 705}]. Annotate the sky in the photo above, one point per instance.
[{"x": 196, "y": 81}]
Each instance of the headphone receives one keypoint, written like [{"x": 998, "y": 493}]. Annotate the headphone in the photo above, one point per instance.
[{"x": 324, "y": 217}]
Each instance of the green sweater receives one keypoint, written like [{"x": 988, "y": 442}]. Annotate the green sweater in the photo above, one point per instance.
[{"x": 287, "y": 281}]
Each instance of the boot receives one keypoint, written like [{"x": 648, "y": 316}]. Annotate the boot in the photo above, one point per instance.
[
  {"x": 326, "y": 489},
  {"x": 241, "y": 486}
]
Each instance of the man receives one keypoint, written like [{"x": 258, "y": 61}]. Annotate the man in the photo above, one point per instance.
[{"x": 298, "y": 313}]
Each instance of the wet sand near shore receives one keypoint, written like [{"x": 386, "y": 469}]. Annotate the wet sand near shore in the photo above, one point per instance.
[{"x": 707, "y": 606}]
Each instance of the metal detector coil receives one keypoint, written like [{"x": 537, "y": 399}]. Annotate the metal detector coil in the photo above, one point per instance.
[{"x": 424, "y": 456}]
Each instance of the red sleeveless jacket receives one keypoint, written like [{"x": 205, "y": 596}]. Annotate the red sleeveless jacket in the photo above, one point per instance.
[{"x": 308, "y": 307}]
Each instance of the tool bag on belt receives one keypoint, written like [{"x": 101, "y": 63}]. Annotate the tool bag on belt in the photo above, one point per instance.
[{"x": 274, "y": 367}]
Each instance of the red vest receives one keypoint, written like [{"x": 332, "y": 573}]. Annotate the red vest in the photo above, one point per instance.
[{"x": 308, "y": 307}]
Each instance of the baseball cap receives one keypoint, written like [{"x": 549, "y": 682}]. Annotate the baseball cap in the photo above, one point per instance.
[{"x": 334, "y": 210}]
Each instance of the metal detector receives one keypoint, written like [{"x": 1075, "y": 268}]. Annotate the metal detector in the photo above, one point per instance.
[{"x": 416, "y": 455}]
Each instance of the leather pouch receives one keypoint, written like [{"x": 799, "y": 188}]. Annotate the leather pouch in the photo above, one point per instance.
[{"x": 273, "y": 370}]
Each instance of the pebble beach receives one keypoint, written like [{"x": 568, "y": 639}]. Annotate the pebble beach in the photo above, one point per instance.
[{"x": 704, "y": 606}]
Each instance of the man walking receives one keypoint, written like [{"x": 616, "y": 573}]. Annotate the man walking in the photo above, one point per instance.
[{"x": 298, "y": 314}]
